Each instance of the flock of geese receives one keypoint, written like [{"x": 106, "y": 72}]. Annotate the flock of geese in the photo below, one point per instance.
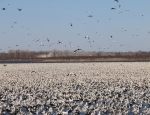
[{"x": 75, "y": 89}]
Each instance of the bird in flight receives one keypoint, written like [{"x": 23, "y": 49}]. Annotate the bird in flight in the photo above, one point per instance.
[
  {"x": 87, "y": 37},
  {"x": 3, "y": 8},
  {"x": 113, "y": 8},
  {"x": 47, "y": 39},
  {"x": 71, "y": 24},
  {"x": 37, "y": 40},
  {"x": 19, "y": 9},
  {"x": 51, "y": 44},
  {"x": 90, "y": 16},
  {"x": 116, "y": 0},
  {"x": 77, "y": 50},
  {"x": 59, "y": 42}
]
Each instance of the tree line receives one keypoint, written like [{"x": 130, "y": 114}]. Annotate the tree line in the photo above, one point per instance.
[{"x": 19, "y": 54}]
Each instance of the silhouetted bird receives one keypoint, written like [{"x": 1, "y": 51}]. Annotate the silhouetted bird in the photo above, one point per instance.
[
  {"x": 19, "y": 9},
  {"x": 47, "y": 39},
  {"x": 71, "y": 24},
  {"x": 77, "y": 50},
  {"x": 116, "y": 0},
  {"x": 3, "y": 8},
  {"x": 90, "y": 16},
  {"x": 59, "y": 42},
  {"x": 113, "y": 8},
  {"x": 51, "y": 44}
]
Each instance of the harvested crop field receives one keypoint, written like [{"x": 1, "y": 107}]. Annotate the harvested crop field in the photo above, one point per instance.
[{"x": 75, "y": 88}]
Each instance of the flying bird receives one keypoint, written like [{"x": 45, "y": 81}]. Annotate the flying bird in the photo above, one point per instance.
[
  {"x": 47, "y": 39},
  {"x": 77, "y": 50},
  {"x": 19, "y": 9},
  {"x": 51, "y": 44},
  {"x": 59, "y": 42},
  {"x": 116, "y": 0},
  {"x": 87, "y": 37},
  {"x": 3, "y": 8},
  {"x": 90, "y": 16},
  {"x": 37, "y": 40},
  {"x": 113, "y": 8},
  {"x": 71, "y": 24}
]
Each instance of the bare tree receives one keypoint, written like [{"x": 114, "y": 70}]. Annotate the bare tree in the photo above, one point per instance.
[{"x": 54, "y": 53}]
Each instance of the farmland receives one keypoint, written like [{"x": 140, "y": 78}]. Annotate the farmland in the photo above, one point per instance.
[{"x": 75, "y": 88}]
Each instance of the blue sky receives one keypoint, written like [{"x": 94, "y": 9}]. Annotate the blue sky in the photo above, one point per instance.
[{"x": 42, "y": 19}]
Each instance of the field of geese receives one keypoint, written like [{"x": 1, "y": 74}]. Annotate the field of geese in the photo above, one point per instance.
[{"x": 107, "y": 88}]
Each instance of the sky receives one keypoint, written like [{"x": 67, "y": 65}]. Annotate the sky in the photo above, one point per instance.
[{"x": 124, "y": 29}]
